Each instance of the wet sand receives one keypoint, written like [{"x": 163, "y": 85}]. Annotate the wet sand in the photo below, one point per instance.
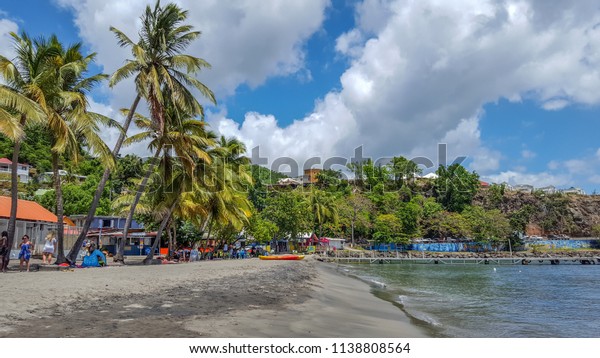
[{"x": 234, "y": 298}]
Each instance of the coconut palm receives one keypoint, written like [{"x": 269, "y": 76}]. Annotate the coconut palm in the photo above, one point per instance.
[
  {"x": 323, "y": 208},
  {"x": 178, "y": 134},
  {"x": 157, "y": 64},
  {"x": 22, "y": 97},
  {"x": 69, "y": 123}
]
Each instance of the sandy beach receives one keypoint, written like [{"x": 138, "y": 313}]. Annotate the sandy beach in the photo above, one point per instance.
[{"x": 233, "y": 298}]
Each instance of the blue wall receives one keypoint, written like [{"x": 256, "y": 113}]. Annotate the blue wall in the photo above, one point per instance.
[
  {"x": 481, "y": 247},
  {"x": 118, "y": 223}
]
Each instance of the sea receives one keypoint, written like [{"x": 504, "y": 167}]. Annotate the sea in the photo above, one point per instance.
[{"x": 491, "y": 301}]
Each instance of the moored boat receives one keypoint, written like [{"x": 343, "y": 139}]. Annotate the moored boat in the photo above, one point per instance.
[{"x": 282, "y": 257}]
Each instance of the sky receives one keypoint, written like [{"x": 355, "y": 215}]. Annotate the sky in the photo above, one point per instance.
[{"x": 513, "y": 86}]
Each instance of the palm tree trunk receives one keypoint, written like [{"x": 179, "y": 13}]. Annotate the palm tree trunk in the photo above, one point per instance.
[
  {"x": 72, "y": 256},
  {"x": 142, "y": 187},
  {"x": 14, "y": 196},
  {"x": 202, "y": 231},
  {"x": 161, "y": 228},
  {"x": 60, "y": 231}
]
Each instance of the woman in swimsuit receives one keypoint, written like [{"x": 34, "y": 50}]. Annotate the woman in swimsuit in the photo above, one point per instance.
[{"x": 25, "y": 253}]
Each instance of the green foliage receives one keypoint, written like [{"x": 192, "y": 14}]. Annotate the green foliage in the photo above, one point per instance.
[
  {"x": 329, "y": 178},
  {"x": 261, "y": 230},
  {"x": 487, "y": 225},
  {"x": 265, "y": 176},
  {"x": 455, "y": 187},
  {"x": 77, "y": 198},
  {"x": 289, "y": 211},
  {"x": 404, "y": 171},
  {"x": 388, "y": 229},
  {"x": 520, "y": 218},
  {"x": 596, "y": 230},
  {"x": 410, "y": 215}
]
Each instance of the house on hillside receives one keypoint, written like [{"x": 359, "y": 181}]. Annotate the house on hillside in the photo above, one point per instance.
[
  {"x": 35, "y": 221},
  {"x": 47, "y": 177},
  {"x": 310, "y": 176},
  {"x": 523, "y": 188},
  {"x": 6, "y": 170},
  {"x": 550, "y": 189},
  {"x": 573, "y": 190}
]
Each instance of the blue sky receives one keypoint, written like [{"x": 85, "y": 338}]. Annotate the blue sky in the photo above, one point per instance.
[{"x": 511, "y": 85}]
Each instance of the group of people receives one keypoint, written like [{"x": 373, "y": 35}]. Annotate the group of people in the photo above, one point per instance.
[
  {"x": 210, "y": 253},
  {"x": 26, "y": 249},
  {"x": 92, "y": 258}
]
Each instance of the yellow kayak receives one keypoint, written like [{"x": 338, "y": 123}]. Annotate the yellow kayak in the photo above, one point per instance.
[{"x": 282, "y": 257}]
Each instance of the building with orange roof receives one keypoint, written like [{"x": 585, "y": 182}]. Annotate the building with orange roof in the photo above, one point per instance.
[{"x": 35, "y": 221}]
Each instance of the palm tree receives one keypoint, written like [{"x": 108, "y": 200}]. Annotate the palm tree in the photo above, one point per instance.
[
  {"x": 157, "y": 62},
  {"x": 22, "y": 96},
  {"x": 186, "y": 137},
  {"x": 69, "y": 123},
  {"x": 323, "y": 208},
  {"x": 227, "y": 200}
]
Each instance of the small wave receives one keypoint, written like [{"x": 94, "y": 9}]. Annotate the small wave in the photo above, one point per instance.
[{"x": 377, "y": 283}]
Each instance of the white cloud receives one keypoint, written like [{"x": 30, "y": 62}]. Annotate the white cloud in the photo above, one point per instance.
[
  {"x": 245, "y": 41},
  {"x": 555, "y": 104},
  {"x": 427, "y": 67},
  {"x": 528, "y": 154},
  {"x": 6, "y": 44},
  {"x": 538, "y": 180},
  {"x": 420, "y": 71},
  {"x": 303, "y": 139}
]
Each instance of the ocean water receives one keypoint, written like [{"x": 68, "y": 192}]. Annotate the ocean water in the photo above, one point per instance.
[{"x": 487, "y": 301}]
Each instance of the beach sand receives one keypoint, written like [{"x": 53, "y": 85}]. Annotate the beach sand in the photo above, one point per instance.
[{"x": 233, "y": 298}]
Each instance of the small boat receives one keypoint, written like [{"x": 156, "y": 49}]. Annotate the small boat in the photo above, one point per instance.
[{"x": 282, "y": 257}]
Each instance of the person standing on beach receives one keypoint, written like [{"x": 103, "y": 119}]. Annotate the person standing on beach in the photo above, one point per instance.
[
  {"x": 25, "y": 253},
  {"x": 3, "y": 249},
  {"x": 49, "y": 248}
]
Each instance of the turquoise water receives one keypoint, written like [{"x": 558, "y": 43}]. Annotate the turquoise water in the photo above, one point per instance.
[{"x": 487, "y": 301}]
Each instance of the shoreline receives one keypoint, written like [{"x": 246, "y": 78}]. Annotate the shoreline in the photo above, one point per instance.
[{"x": 232, "y": 298}]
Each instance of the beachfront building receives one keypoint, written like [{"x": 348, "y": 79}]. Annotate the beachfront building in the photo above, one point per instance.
[
  {"x": 35, "y": 221},
  {"x": 106, "y": 231},
  {"x": 6, "y": 170}
]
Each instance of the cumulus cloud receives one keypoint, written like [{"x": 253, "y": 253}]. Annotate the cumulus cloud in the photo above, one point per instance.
[
  {"x": 419, "y": 73},
  {"x": 245, "y": 41},
  {"x": 6, "y": 44},
  {"x": 538, "y": 180}
]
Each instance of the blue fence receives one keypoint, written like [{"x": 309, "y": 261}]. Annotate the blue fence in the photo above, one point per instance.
[
  {"x": 482, "y": 247},
  {"x": 567, "y": 244}
]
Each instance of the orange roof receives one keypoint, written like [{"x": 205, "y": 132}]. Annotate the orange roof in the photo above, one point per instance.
[{"x": 28, "y": 210}]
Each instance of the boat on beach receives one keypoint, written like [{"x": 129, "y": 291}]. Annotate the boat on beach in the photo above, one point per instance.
[{"x": 282, "y": 257}]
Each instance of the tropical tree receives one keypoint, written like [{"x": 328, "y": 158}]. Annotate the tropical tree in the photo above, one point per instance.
[
  {"x": 157, "y": 64},
  {"x": 404, "y": 170},
  {"x": 22, "y": 97},
  {"x": 69, "y": 122},
  {"x": 388, "y": 229},
  {"x": 455, "y": 187},
  {"x": 177, "y": 134},
  {"x": 323, "y": 208}
]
